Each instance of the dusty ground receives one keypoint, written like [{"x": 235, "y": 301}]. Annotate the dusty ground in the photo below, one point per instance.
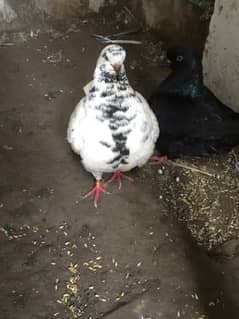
[{"x": 130, "y": 258}]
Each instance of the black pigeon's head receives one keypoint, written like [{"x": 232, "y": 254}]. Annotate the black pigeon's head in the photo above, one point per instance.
[
  {"x": 184, "y": 57},
  {"x": 111, "y": 59}
]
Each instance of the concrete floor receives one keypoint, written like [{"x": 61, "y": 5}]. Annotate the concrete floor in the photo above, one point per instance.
[{"x": 62, "y": 258}]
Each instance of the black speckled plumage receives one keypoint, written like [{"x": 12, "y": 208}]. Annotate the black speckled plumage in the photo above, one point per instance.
[
  {"x": 193, "y": 122},
  {"x": 112, "y": 127}
]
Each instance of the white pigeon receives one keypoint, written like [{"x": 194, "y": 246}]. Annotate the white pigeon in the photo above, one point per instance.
[{"x": 112, "y": 128}]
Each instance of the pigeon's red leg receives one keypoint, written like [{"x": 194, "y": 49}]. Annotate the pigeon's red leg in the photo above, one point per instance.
[
  {"x": 119, "y": 176},
  {"x": 158, "y": 160},
  {"x": 95, "y": 191}
]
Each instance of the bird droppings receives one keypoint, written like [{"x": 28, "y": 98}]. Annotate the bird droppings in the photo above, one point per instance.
[
  {"x": 53, "y": 94},
  {"x": 54, "y": 58},
  {"x": 8, "y": 147}
]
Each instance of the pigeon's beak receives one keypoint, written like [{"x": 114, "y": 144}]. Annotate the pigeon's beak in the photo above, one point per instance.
[
  {"x": 166, "y": 63},
  {"x": 116, "y": 67}
]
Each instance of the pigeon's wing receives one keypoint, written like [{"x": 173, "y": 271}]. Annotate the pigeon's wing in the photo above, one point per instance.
[
  {"x": 153, "y": 125},
  {"x": 91, "y": 138},
  {"x": 143, "y": 131},
  {"x": 74, "y": 133},
  {"x": 185, "y": 84}
]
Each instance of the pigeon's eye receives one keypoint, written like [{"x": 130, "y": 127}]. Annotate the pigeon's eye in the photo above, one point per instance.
[{"x": 179, "y": 58}]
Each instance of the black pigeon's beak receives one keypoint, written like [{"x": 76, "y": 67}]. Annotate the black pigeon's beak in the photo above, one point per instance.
[
  {"x": 166, "y": 63},
  {"x": 116, "y": 67}
]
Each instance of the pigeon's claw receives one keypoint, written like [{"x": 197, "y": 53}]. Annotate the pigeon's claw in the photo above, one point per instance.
[
  {"x": 95, "y": 192},
  {"x": 158, "y": 160},
  {"x": 119, "y": 176}
]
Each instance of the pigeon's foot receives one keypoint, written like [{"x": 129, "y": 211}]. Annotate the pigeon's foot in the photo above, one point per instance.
[
  {"x": 95, "y": 192},
  {"x": 119, "y": 176},
  {"x": 158, "y": 160}
]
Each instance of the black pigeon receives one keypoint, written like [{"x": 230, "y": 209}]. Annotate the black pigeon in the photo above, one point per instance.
[{"x": 193, "y": 122}]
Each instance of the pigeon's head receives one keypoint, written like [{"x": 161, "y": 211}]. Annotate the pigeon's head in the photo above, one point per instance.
[
  {"x": 183, "y": 57},
  {"x": 112, "y": 59}
]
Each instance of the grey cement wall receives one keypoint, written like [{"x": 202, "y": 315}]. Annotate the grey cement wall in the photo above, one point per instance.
[
  {"x": 7, "y": 14},
  {"x": 177, "y": 21},
  {"x": 63, "y": 8},
  {"x": 171, "y": 18},
  {"x": 221, "y": 56},
  {"x": 15, "y": 13}
]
